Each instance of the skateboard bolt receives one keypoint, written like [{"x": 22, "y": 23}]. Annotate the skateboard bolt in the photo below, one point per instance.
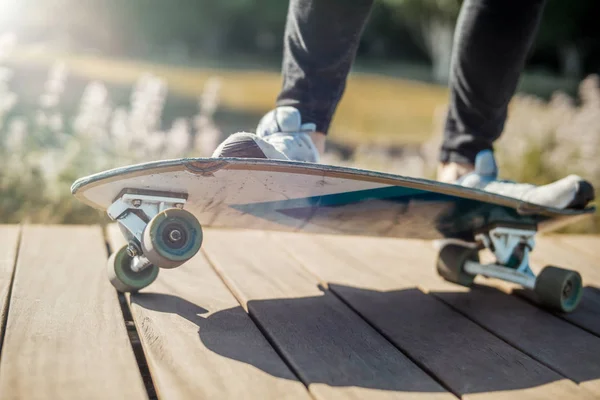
[
  {"x": 136, "y": 202},
  {"x": 175, "y": 235},
  {"x": 179, "y": 205},
  {"x": 132, "y": 250}
]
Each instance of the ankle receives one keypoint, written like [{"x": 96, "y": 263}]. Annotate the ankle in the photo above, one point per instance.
[
  {"x": 318, "y": 139},
  {"x": 452, "y": 171}
]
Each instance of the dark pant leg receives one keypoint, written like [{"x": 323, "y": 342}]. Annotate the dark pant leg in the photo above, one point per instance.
[
  {"x": 491, "y": 43},
  {"x": 320, "y": 43}
]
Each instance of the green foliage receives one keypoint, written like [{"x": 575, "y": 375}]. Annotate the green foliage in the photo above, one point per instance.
[
  {"x": 562, "y": 21},
  {"x": 426, "y": 9},
  {"x": 543, "y": 141},
  {"x": 546, "y": 141},
  {"x": 186, "y": 28}
]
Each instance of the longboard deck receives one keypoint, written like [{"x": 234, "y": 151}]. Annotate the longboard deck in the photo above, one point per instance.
[{"x": 295, "y": 196}]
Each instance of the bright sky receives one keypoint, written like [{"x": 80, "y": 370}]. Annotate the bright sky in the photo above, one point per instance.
[{"x": 10, "y": 11}]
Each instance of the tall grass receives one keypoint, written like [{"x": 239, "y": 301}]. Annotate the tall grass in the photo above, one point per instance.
[
  {"x": 545, "y": 141},
  {"x": 43, "y": 151},
  {"x": 542, "y": 141},
  {"x": 375, "y": 107},
  {"x": 44, "y": 148}
]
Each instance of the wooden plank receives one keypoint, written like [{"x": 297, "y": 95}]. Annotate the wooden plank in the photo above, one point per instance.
[
  {"x": 65, "y": 336},
  {"x": 200, "y": 343},
  {"x": 548, "y": 251},
  {"x": 587, "y": 315},
  {"x": 589, "y": 244},
  {"x": 380, "y": 279},
  {"x": 523, "y": 325},
  {"x": 553, "y": 250},
  {"x": 335, "y": 353},
  {"x": 563, "y": 347},
  {"x": 9, "y": 240},
  {"x": 575, "y": 356}
]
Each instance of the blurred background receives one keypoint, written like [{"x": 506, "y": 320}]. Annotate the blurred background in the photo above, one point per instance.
[{"x": 91, "y": 85}]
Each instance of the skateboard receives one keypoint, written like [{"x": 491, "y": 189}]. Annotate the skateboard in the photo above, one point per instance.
[{"x": 161, "y": 208}]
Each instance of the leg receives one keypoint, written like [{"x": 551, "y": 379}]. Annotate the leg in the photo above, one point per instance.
[
  {"x": 321, "y": 39},
  {"x": 491, "y": 44},
  {"x": 320, "y": 43}
]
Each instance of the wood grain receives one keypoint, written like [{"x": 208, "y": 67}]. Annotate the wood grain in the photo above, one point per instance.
[
  {"x": 9, "y": 240},
  {"x": 558, "y": 250},
  {"x": 381, "y": 278},
  {"x": 589, "y": 244},
  {"x": 200, "y": 343},
  {"x": 564, "y": 347},
  {"x": 335, "y": 353},
  {"x": 554, "y": 250},
  {"x": 65, "y": 337}
]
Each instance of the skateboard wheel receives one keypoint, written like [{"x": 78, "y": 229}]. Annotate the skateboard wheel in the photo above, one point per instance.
[
  {"x": 559, "y": 289},
  {"x": 451, "y": 262},
  {"x": 171, "y": 238},
  {"x": 123, "y": 278}
]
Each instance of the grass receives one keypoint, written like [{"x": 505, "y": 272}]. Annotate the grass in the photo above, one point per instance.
[
  {"x": 110, "y": 112},
  {"x": 374, "y": 108}
]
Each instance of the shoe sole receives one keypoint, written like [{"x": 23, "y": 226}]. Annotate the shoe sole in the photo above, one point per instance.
[{"x": 242, "y": 148}]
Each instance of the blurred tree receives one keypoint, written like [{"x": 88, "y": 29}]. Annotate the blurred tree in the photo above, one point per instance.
[
  {"x": 561, "y": 32},
  {"x": 432, "y": 23},
  {"x": 192, "y": 26},
  {"x": 406, "y": 30},
  {"x": 258, "y": 27},
  {"x": 386, "y": 37}
]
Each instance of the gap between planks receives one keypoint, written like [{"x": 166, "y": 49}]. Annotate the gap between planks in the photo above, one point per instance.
[
  {"x": 552, "y": 250},
  {"x": 335, "y": 352},
  {"x": 199, "y": 342},
  {"x": 363, "y": 263},
  {"x": 65, "y": 336},
  {"x": 10, "y": 238},
  {"x": 134, "y": 337},
  {"x": 241, "y": 288}
]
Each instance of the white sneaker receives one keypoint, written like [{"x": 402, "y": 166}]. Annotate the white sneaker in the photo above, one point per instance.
[
  {"x": 569, "y": 192},
  {"x": 280, "y": 135}
]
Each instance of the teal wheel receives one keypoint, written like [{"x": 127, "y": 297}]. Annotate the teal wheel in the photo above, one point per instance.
[
  {"x": 559, "y": 289},
  {"x": 451, "y": 263},
  {"x": 171, "y": 238},
  {"x": 123, "y": 278}
]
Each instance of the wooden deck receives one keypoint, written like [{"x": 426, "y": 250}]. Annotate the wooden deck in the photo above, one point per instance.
[{"x": 261, "y": 315}]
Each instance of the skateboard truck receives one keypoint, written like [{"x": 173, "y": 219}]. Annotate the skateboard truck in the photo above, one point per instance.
[
  {"x": 160, "y": 232},
  {"x": 458, "y": 262},
  {"x": 511, "y": 248}
]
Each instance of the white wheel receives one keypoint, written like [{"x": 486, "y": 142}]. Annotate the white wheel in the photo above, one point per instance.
[
  {"x": 171, "y": 238},
  {"x": 123, "y": 278}
]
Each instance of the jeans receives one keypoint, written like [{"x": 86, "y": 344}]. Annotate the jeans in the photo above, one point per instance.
[{"x": 492, "y": 39}]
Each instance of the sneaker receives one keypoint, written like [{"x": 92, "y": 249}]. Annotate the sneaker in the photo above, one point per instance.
[
  {"x": 280, "y": 135},
  {"x": 570, "y": 192}
]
